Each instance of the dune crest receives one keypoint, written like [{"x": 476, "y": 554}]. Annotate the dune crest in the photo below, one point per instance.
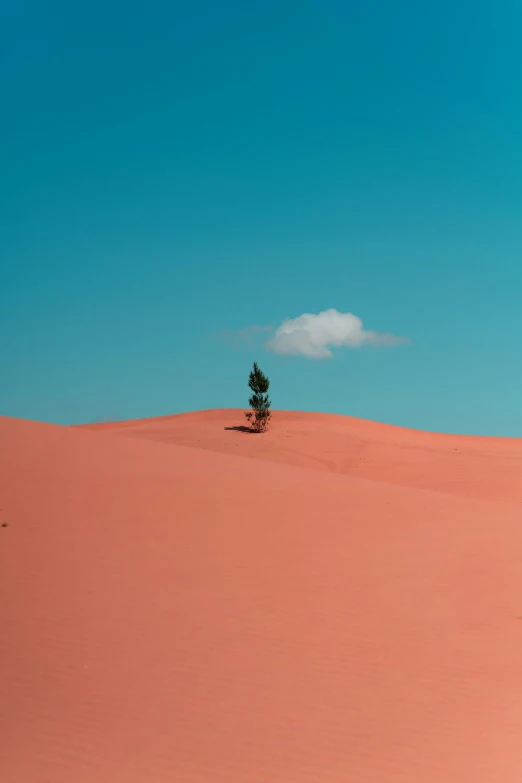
[{"x": 472, "y": 466}]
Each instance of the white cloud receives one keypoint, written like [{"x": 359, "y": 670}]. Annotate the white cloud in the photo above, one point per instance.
[{"x": 314, "y": 335}]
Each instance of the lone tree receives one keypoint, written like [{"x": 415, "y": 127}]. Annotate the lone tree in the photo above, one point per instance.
[{"x": 259, "y": 416}]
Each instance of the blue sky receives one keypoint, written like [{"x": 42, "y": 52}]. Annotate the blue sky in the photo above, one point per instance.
[{"x": 172, "y": 172}]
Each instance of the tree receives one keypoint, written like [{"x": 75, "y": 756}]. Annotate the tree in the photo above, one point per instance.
[{"x": 259, "y": 416}]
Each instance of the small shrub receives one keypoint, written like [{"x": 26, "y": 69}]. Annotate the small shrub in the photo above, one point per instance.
[{"x": 259, "y": 416}]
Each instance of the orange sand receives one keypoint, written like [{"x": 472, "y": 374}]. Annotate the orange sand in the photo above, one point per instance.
[{"x": 177, "y": 604}]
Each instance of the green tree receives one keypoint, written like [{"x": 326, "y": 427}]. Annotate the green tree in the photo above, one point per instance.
[{"x": 259, "y": 416}]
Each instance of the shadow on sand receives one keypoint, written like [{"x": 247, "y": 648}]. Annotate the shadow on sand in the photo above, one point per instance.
[{"x": 241, "y": 428}]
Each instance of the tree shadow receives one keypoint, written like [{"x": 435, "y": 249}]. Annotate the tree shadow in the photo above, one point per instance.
[{"x": 241, "y": 428}]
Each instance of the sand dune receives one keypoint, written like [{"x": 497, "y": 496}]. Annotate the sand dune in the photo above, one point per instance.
[{"x": 178, "y": 604}]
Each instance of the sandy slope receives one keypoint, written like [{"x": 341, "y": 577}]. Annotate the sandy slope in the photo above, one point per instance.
[{"x": 176, "y": 614}]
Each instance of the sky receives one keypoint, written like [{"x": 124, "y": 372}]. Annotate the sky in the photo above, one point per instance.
[{"x": 333, "y": 189}]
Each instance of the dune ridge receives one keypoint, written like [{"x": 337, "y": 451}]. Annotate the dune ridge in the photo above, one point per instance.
[
  {"x": 185, "y": 602},
  {"x": 473, "y": 466}
]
